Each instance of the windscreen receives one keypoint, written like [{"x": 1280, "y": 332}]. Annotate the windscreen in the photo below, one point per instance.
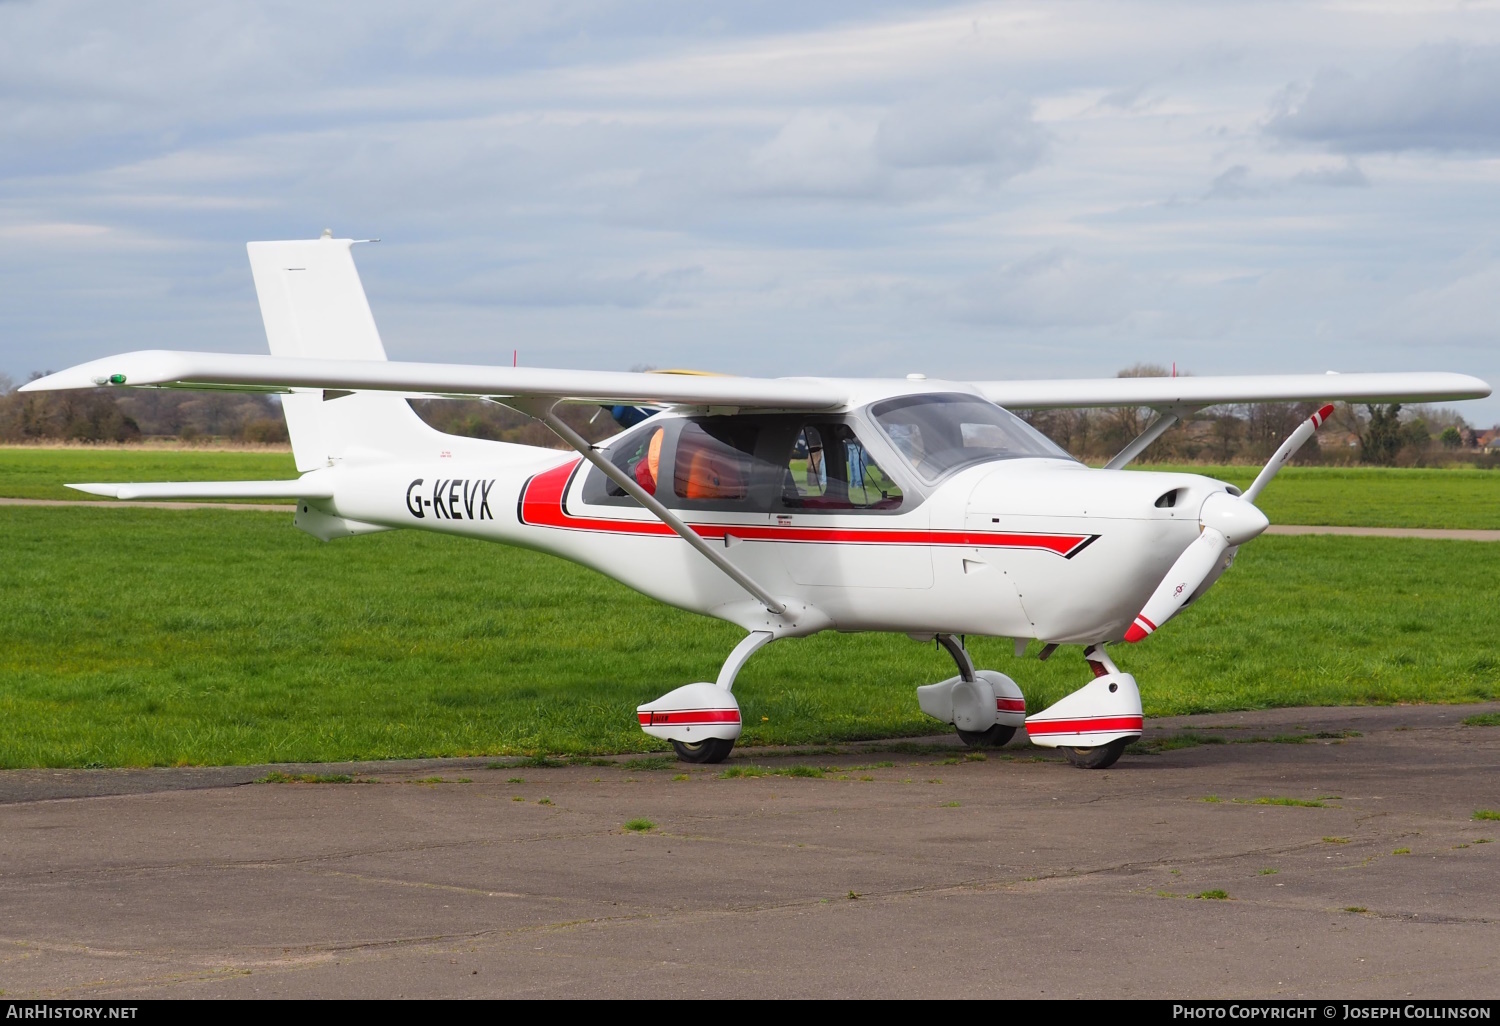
[{"x": 940, "y": 433}]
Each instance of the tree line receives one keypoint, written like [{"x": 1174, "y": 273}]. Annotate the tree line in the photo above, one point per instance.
[{"x": 1379, "y": 434}]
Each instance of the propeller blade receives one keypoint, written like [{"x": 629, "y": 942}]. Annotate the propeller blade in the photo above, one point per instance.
[
  {"x": 1196, "y": 563},
  {"x": 1288, "y": 448},
  {"x": 1225, "y": 521}
]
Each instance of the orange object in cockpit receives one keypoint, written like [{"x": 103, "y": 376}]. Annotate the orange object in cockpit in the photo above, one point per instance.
[
  {"x": 705, "y": 471},
  {"x": 648, "y": 470}
]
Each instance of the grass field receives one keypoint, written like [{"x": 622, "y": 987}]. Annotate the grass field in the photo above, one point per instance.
[
  {"x": 1354, "y": 497},
  {"x": 142, "y": 637},
  {"x": 35, "y": 473},
  {"x": 1372, "y": 496}
]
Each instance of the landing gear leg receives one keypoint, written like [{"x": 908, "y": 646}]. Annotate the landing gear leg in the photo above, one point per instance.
[
  {"x": 992, "y": 737},
  {"x": 703, "y": 720}
]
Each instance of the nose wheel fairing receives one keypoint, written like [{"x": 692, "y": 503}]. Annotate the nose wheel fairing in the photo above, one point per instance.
[
  {"x": 691, "y": 714},
  {"x": 1105, "y": 710}
]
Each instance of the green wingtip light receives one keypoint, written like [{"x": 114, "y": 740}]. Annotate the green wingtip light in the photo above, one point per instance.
[{"x": 117, "y": 379}]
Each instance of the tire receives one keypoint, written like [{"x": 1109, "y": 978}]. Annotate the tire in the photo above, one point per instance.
[
  {"x": 709, "y": 750},
  {"x": 1098, "y": 757},
  {"x": 995, "y": 737}
]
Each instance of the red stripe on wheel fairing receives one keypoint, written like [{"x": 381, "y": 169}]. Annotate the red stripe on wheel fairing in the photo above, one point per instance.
[
  {"x": 1086, "y": 725},
  {"x": 542, "y": 505},
  {"x": 690, "y": 717},
  {"x": 1011, "y": 704}
]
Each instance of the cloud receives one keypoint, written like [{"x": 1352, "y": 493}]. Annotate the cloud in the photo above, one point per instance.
[
  {"x": 569, "y": 287},
  {"x": 766, "y": 188},
  {"x": 1335, "y": 176},
  {"x": 952, "y": 129},
  {"x": 1459, "y": 312},
  {"x": 1048, "y": 289},
  {"x": 1233, "y": 183},
  {"x": 45, "y": 233},
  {"x": 819, "y": 153},
  {"x": 1437, "y": 97}
]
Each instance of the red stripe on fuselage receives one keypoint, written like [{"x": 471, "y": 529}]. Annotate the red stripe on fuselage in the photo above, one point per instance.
[{"x": 542, "y": 506}]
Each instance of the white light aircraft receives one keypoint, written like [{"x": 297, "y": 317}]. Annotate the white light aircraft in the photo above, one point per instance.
[{"x": 786, "y": 506}]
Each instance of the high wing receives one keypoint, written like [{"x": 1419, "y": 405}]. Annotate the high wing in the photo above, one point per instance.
[
  {"x": 1191, "y": 392},
  {"x": 169, "y": 369},
  {"x": 159, "y": 368}
]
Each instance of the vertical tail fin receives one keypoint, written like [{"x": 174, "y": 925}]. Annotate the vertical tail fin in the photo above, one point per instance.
[{"x": 313, "y": 305}]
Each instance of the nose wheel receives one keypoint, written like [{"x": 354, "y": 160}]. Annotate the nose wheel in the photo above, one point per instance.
[
  {"x": 709, "y": 750},
  {"x": 1097, "y": 757},
  {"x": 996, "y": 737}
]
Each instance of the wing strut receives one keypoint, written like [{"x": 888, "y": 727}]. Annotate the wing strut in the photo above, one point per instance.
[
  {"x": 1165, "y": 418},
  {"x": 543, "y": 411}
]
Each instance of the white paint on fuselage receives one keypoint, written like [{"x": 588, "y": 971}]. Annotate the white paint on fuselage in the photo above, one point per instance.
[{"x": 981, "y": 590}]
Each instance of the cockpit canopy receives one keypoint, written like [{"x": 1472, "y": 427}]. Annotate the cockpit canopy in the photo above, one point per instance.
[
  {"x": 944, "y": 432},
  {"x": 814, "y": 463}
]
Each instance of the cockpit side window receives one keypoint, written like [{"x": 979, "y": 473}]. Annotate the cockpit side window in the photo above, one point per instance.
[
  {"x": 640, "y": 458},
  {"x": 750, "y": 463},
  {"x": 830, "y": 469},
  {"x": 715, "y": 461},
  {"x": 639, "y": 452}
]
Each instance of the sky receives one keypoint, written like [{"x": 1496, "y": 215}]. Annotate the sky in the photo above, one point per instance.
[{"x": 991, "y": 190}]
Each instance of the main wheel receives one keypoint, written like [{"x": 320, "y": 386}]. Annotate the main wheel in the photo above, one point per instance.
[
  {"x": 1098, "y": 757},
  {"x": 995, "y": 737},
  {"x": 711, "y": 749}
]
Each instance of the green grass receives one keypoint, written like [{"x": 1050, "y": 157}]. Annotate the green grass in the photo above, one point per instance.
[
  {"x": 1371, "y": 496},
  {"x": 1172, "y": 743},
  {"x": 32, "y": 473},
  {"x": 1483, "y": 720},
  {"x": 640, "y": 826},
  {"x": 1215, "y": 895},
  {"x": 1298, "y": 803},
  {"x": 1486, "y": 814},
  {"x": 770, "y": 771},
  {"x": 306, "y": 778},
  {"x": 143, "y": 637}
]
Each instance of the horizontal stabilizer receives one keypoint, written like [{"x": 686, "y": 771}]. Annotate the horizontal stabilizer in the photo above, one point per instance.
[{"x": 297, "y": 489}]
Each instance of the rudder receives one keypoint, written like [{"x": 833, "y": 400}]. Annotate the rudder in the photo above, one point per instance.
[{"x": 314, "y": 306}]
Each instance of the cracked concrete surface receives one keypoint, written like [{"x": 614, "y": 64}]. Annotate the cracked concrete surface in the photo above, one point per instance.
[{"x": 933, "y": 876}]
